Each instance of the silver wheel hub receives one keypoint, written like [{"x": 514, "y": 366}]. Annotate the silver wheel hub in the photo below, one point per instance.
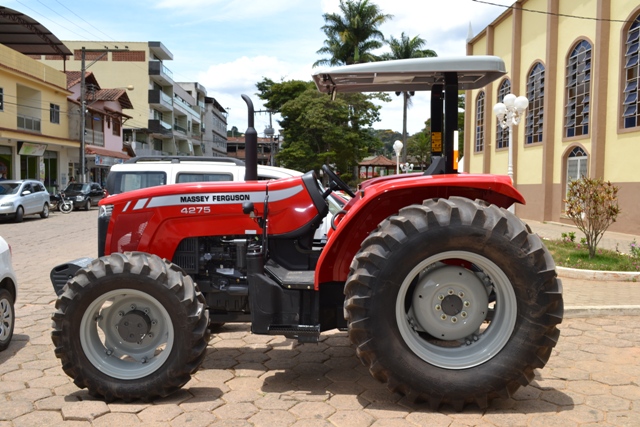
[{"x": 449, "y": 303}]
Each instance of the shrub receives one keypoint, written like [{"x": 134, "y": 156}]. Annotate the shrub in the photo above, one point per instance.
[{"x": 592, "y": 205}]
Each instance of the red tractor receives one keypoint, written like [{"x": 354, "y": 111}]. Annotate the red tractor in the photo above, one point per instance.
[{"x": 448, "y": 297}]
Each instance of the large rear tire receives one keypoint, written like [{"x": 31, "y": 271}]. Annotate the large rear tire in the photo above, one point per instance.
[
  {"x": 130, "y": 326},
  {"x": 453, "y": 302}
]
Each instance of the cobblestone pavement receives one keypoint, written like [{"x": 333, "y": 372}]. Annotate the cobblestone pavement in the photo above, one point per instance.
[{"x": 592, "y": 378}]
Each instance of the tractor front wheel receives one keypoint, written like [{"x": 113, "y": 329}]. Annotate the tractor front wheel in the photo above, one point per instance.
[
  {"x": 453, "y": 302},
  {"x": 130, "y": 326}
]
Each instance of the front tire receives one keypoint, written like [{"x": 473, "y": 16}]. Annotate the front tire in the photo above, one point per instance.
[
  {"x": 88, "y": 205},
  {"x": 130, "y": 326},
  {"x": 19, "y": 214},
  {"x": 7, "y": 318},
  {"x": 453, "y": 302},
  {"x": 66, "y": 207}
]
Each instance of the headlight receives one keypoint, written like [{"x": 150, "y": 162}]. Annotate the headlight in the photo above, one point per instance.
[
  {"x": 104, "y": 211},
  {"x": 79, "y": 198},
  {"x": 6, "y": 205}
]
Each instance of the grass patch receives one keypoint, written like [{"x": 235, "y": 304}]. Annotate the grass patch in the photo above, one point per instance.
[{"x": 576, "y": 255}]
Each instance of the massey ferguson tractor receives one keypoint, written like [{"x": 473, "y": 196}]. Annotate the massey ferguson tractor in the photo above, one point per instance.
[{"x": 447, "y": 297}]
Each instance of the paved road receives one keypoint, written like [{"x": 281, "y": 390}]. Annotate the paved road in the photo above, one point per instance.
[{"x": 593, "y": 375}]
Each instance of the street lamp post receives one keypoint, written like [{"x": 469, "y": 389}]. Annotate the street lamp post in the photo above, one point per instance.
[
  {"x": 509, "y": 113},
  {"x": 397, "y": 147}
]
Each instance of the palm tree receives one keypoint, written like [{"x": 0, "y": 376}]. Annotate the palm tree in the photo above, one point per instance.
[
  {"x": 405, "y": 48},
  {"x": 353, "y": 34}
]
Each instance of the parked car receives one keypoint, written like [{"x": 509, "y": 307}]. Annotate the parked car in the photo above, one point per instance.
[
  {"x": 84, "y": 195},
  {"x": 8, "y": 294},
  {"x": 23, "y": 197}
]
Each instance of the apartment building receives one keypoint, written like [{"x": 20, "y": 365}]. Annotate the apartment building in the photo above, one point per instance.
[
  {"x": 167, "y": 116},
  {"x": 577, "y": 63}
]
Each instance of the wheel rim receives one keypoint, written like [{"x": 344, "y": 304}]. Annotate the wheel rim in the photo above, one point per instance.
[
  {"x": 6, "y": 319},
  {"x": 147, "y": 327},
  {"x": 45, "y": 210},
  {"x": 452, "y": 317}
]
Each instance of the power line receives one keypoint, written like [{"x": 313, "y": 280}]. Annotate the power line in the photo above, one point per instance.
[
  {"x": 81, "y": 18},
  {"x": 563, "y": 15}
]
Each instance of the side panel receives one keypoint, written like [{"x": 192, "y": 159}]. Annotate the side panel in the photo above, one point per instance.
[
  {"x": 387, "y": 197},
  {"x": 155, "y": 220}
]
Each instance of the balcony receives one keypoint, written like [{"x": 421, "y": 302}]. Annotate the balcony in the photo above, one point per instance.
[
  {"x": 160, "y": 100},
  {"x": 160, "y": 74},
  {"x": 180, "y": 129},
  {"x": 161, "y": 128},
  {"x": 28, "y": 123},
  {"x": 94, "y": 137}
]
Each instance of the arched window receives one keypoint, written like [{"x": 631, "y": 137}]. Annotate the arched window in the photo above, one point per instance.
[
  {"x": 480, "y": 122},
  {"x": 630, "y": 114},
  {"x": 577, "y": 163},
  {"x": 535, "y": 113},
  {"x": 502, "y": 135},
  {"x": 578, "y": 90}
]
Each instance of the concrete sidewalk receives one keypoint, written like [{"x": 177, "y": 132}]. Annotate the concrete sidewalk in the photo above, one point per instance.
[{"x": 594, "y": 293}]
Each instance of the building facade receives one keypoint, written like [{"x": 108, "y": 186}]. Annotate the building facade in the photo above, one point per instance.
[
  {"x": 167, "y": 116},
  {"x": 34, "y": 121},
  {"x": 577, "y": 63}
]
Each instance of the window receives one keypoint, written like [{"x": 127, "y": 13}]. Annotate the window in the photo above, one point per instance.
[
  {"x": 630, "y": 114},
  {"x": 480, "y": 122},
  {"x": 578, "y": 90},
  {"x": 1, "y": 99},
  {"x": 576, "y": 165},
  {"x": 116, "y": 126},
  {"x": 502, "y": 135},
  {"x": 535, "y": 113},
  {"x": 54, "y": 113}
]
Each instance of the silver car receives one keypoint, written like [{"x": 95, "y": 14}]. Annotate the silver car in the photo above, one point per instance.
[
  {"x": 23, "y": 197},
  {"x": 8, "y": 294}
]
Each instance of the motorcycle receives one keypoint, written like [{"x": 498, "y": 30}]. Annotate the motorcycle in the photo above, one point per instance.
[{"x": 59, "y": 202}]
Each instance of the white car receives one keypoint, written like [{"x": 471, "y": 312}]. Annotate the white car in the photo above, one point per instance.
[
  {"x": 8, "y": 294},
  {"x": 23, "y": 197}
]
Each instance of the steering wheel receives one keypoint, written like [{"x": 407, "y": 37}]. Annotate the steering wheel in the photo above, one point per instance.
[{"x": 335, "y": 183}]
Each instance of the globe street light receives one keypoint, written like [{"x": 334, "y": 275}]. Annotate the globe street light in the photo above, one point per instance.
[
  {"x": 397, "y": 147},
  {"x": 509, "y": 113},
  {"x": 407, "y": 167}
]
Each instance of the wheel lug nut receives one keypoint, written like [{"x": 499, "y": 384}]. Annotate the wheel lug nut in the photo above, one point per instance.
[
  {"x": 443, "y": 317},
  {"x": 438, "y": 307},
  {"x": 451, "y": 292},
  {"x": 461, "y": 294},
  {"x": 121, "y": 313},
  {"x": 454, "y": 320},
  {"x": 467, "y": 304},
  {"x": 463, "y": 314},
  {"x": 133, "y": 306},
  {"x": 440, "y": 297}
]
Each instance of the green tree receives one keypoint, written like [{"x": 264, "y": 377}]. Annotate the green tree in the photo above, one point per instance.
[
  {"x": 406, "y": 48},
  {"x": 592, "y": 205},
  {"x": 318, "y": 130},
  {"x": 353, "y": 34},
  {"x": 419, "y": 147}
]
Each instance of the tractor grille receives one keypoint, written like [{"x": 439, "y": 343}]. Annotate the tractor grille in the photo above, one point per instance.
[{"x": 186, "y": 256}]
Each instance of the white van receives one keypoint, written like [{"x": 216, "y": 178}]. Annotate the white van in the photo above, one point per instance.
[{"x": 143, "y": 172}]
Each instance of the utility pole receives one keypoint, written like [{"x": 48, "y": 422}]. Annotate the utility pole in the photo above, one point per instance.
[{"x": 269, "y": 132}]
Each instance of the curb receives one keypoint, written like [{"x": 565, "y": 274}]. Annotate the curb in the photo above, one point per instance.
[
  {"x": 605, "y": 310},
  {"x": 613, "y": 276}
]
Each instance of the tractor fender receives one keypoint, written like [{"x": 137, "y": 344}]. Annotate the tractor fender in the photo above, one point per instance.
[{"x": 377, "y": 200}]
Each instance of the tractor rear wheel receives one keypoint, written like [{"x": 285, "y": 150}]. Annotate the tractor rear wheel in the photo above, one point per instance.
[
  {"x": 453, "y": 302},
  {"x": 130, "y": 326}
]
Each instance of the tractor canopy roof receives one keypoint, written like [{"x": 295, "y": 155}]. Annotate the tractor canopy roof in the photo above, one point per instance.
[{"x": 414, "y": 74}]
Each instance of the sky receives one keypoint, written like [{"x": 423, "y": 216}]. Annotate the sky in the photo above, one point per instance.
[{"x": 230, "y": 45}]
